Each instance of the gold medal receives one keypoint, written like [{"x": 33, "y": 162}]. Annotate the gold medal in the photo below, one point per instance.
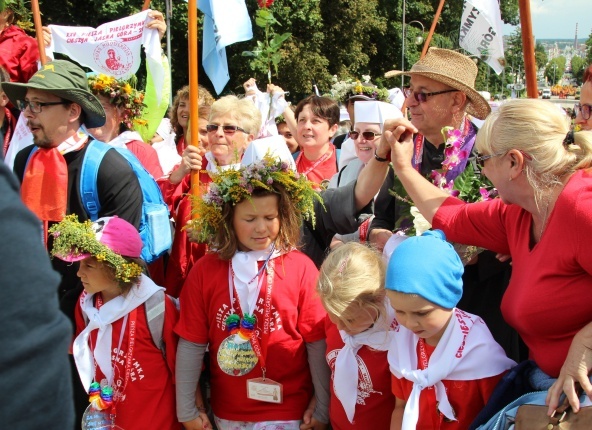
[{"x": 235, "y": 356}]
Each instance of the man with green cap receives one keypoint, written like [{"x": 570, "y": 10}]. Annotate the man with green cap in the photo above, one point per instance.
[{"x": 58, "y": 106}]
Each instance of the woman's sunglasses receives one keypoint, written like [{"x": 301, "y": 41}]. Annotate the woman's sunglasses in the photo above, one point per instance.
[
  {"x": 227, "y": 129},
  {"x": 584, "y": 110},
  {"x": 368, "y": 135}
]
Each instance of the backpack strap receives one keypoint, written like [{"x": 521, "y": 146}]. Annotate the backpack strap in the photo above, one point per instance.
[
  {"x": 88, "y": 177},
  {"x": 155, "y": 312}
]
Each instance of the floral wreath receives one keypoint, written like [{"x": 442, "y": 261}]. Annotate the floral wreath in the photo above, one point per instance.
[
  {"x": 122, "y": 95},
  {"x": 234, "y": 186},
  {"x": 343, "y": 90},
  {"x": 73, "y": 238},
  {"x": 22, "y": 14}
]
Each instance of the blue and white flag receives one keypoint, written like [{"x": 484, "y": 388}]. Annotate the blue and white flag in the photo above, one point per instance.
[
  {"x": 481, "y": 32},
  {"x": 225, "y": 22}
]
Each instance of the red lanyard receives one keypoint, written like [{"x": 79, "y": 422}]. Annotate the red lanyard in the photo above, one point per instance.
[
  {"x": 430, "y": 393},
  {"x": 324, "y": 158},
  {"x": 260, "y": 349},
  {"x": 130, "y": 347}
]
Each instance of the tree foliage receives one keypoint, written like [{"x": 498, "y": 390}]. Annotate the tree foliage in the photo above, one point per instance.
[
  {"x": 540, "y": 56},
  {"x": 346, "y": 38},
  {"x": 555, "y": 69}
]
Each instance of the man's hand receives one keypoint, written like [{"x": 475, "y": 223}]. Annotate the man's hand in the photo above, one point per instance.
[{"x": 398, "y": 133}]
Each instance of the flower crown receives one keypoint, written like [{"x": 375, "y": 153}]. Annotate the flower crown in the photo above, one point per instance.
[
  {"x": 122, "y": 95},
  {"x": 343, "y": 90},
  {"x": 234, "y": 186},
  {"x": 74, "y": 238}
]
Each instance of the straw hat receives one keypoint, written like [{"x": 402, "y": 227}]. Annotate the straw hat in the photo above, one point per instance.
[{"x": 453, "y": 69}]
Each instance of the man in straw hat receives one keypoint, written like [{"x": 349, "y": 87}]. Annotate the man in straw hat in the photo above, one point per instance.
[{"x": 442, "y": 94}]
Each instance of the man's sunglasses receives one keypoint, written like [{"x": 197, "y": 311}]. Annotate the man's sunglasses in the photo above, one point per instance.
[
  {"x": 583, "y": 109},
  {"x": 368, "y": 135},
  {"x": 227, "y": 129},
  {"x": 423, "y": 97}
]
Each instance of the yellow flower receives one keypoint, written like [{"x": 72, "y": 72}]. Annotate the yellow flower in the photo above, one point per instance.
[{"x": 127, "y": 88}]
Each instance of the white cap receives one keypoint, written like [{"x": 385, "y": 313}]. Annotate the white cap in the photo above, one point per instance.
[
  {"x": 375, "y": 112},
  {"x": 396, "y": 97},
  {"x": 273, "y": 145}
]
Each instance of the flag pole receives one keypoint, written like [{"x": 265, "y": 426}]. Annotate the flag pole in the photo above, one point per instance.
[
  {"x": 193, "y": 130},
  {"x": 426, "y": 45},
  {"x": 528, "y": 49},
  {"x": 38, "y": 31}
]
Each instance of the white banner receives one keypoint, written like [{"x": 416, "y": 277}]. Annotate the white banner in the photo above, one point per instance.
[
  {"x": 481, "y": 32},
  {"x": 112, "y": 48}
]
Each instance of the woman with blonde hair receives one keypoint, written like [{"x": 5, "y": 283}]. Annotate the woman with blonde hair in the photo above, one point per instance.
[
  {"x": 542, "y": 220},
  {"x": 351, "y": 287},
  {"x": 231, "y": 124}
]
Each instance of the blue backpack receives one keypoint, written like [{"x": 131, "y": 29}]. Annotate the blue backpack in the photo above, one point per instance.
[{"x": 155, "y": 228}]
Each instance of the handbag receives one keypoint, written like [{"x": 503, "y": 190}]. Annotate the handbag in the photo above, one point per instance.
[{"x": 534, "y": 417}]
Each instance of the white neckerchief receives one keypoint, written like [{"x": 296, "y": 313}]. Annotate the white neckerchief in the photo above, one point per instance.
[
  {"x": 245, "y": 267},
  {"x": 213, "y": 166},
  {"x": 345, "y": 377},
  {"x": 74, "y": 142},
  {"x": 465, "y": 352},
  {"x": 102, "y": 319},
  {"x": 125, "y": 137}
]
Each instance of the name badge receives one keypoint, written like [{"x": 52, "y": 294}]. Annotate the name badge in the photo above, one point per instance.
[{"x": 265, "y": 390}]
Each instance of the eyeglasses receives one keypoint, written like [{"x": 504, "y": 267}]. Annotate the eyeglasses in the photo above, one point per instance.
[
  {"x": 368, "y": 135},
  {"x": 423, "y": 97},
  {"x": 36, "y": 106},
  {"x": 480, "y": 159},
  {"x": 583, "y": 109},
  {"x": 227, "y": 129}
]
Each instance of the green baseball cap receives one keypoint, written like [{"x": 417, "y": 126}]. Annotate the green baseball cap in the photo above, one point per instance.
[{"x": 63, "y": 79}]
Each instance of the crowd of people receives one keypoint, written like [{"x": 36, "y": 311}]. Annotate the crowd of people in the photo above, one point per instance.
[{"x": 294, "y": 294}]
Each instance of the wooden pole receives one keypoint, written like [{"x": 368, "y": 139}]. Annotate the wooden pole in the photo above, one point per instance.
[
  {"x": 193, "y": 130},
  {"x": 528, "y": 49},
  {"x": 146, "y": 4},
  {"x": 426, "y": 45},
  {"x": 38, "y": 31}
]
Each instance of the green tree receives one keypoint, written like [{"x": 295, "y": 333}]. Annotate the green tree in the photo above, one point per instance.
[
  {"x": 589, "y": 50},
  {"x": 555, "y": 69},
  {"x": 578, "y": 65},
  {"x": 540, "y": 56}
]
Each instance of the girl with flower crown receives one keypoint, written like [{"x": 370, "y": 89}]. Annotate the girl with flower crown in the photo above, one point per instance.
[
  {"x": 252, "y": 303},
  {"x": 128, "y": 377}
]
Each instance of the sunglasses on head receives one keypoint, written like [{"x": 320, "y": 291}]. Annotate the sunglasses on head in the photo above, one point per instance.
[
  {"x": 368, "y": 135},
  {"x": 423, "y": 97},
  {"x": 227, "y": 129}
]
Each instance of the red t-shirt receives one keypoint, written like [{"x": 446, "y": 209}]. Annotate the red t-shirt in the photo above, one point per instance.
[
  {"x": 318, "y": 173},
  {"x": 467, "y": 398},
  {"x": 297, "y": 317},
  {"x": 549, "y": 298},
  {"x": 375, "y": 402},
  {"x": 150, "y": 392}
]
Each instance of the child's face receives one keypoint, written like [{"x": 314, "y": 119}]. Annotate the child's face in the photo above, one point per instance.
[
  {"x": 256, "y": 222},
  {"x": 97, "y": 278},
  {"x": 424, "y": 318},
  {"x": 355, "y": 321}
]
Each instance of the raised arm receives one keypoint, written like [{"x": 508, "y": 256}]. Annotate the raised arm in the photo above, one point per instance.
[
  {"x": 428, "y": 198},
  {"x": 372, "y": 176}
]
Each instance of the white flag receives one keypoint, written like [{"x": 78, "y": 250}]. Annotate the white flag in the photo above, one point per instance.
[
  {"x": 481, "y": 32},
  {"x": 112, "y": 48},
  {"x": 225, "y": 22}
]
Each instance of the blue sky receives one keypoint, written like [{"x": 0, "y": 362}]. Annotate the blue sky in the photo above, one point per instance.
[{"x": 556, "y": 19}]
